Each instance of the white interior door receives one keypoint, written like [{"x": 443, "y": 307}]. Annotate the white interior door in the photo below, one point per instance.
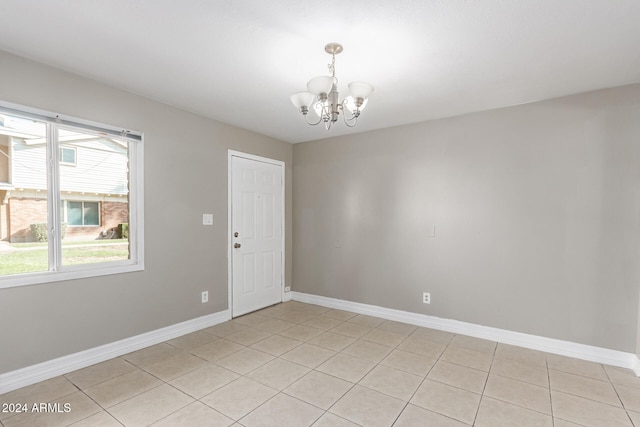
[{"x": 257, "y": 194}]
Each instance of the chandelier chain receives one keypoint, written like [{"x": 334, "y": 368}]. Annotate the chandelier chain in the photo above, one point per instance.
[{"x": 332, "y": 65}]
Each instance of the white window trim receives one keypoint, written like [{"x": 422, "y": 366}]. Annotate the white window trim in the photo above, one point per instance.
[{"x": 136, "y": 204}]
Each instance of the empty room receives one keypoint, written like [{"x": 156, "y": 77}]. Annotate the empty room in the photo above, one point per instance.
[{"x": 363, "y": 213}]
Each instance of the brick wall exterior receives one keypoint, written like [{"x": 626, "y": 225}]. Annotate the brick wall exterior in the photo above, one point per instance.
[
  {"x": 113, "y": 213},
  {"x": 22, "y": 212}
]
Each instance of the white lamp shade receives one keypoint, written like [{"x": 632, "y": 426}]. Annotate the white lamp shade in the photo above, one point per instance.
[
  {"x": 351, "y": 104},
  {"x": 320, "y": 84},
  {"x": 302, "y": 99},
  {"x": 360, "y": 89}
]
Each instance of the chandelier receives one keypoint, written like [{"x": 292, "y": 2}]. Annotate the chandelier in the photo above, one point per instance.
[{"x": 322, "y": 95}]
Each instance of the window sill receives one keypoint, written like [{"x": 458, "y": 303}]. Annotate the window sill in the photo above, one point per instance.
[{"x": 69, "y": 273}]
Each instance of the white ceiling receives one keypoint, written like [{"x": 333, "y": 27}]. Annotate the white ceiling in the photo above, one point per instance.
[{"x": 238, "y": 61}]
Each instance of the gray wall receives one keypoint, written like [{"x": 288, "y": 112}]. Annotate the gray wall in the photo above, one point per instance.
[
  {"x": 536, "y": 210},
  {"x": 638, "y": 332},
  {"x": 185, "y": 176}
]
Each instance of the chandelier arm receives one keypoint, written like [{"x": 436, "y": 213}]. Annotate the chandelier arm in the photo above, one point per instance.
[
  {"x": 353, "y": 119},
  {"x": 354, "y": 115},
  {"x": 310, "y": 123},
  {"x": 324, "y": 113}
]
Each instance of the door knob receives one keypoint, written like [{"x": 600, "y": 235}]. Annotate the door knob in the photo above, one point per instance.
[{"x": 236, "y": 245}]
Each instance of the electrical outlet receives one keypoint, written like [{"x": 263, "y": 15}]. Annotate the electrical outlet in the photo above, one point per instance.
[
  {"x": 287, "y": 288},
  {"x": 205, "y": 296},
  {"x": 426, "y": 297}
]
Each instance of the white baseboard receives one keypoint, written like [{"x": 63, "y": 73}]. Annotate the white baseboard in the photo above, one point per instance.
[
  {"x": 549, "y": 345},
  {"x": 52, "y": 368},
  {"x": 42, "y": 371}
]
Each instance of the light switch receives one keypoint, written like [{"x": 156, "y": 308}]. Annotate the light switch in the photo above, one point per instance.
[{"x": 207, "y": 219}]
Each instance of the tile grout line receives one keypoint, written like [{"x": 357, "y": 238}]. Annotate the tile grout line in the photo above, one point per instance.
[
  {"x": 493, "y": 357},
  {"x": 392, "y": 348},
  {"x": 420, "y": 385},
  {"x": 311, "y": 370},
  {"x": 369, "y": 371},
  {"x": 615, "y": 389},
  {"x": 425, "y": 379},
  {"x": 277, "y": 357},
  {"x": 362, "y": 338}
]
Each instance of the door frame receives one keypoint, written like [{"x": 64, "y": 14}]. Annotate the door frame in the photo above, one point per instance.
[{"x": 281, "y": 164}]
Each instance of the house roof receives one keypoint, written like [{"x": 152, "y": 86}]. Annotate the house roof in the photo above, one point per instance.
[
  {"x": 26, "y": 129},
  {"x": 238, "y": 61}
]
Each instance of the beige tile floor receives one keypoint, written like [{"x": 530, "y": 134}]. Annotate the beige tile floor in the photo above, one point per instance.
[{"x": 298, "y": 365}]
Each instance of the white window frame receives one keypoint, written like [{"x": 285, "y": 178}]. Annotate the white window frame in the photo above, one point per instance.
[{"x": 57, "y": 271}]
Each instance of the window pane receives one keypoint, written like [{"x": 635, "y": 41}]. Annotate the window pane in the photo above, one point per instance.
[
  {"x": 23, "y": 196},
  {"x": 74, "y": 213},
  {"x": 91, "y": 213},
  {"x": 90, "y": 186},
  {"x": 97, "y": 191},
  {"x": 68, "y": 155}
]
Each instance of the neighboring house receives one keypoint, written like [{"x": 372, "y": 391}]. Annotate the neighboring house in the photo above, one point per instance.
[{"x": 93, "y": 182}]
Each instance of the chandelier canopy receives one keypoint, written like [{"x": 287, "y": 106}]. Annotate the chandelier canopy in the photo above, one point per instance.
[{"x": 322, "y": 94}]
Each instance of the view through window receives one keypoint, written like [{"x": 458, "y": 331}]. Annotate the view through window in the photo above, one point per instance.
[{"x": 85, "y": 174}]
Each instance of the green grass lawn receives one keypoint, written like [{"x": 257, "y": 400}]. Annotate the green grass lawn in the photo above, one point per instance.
[
  {"x": 23, "y": 262},
  {"x": 37, "y": 259}
]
